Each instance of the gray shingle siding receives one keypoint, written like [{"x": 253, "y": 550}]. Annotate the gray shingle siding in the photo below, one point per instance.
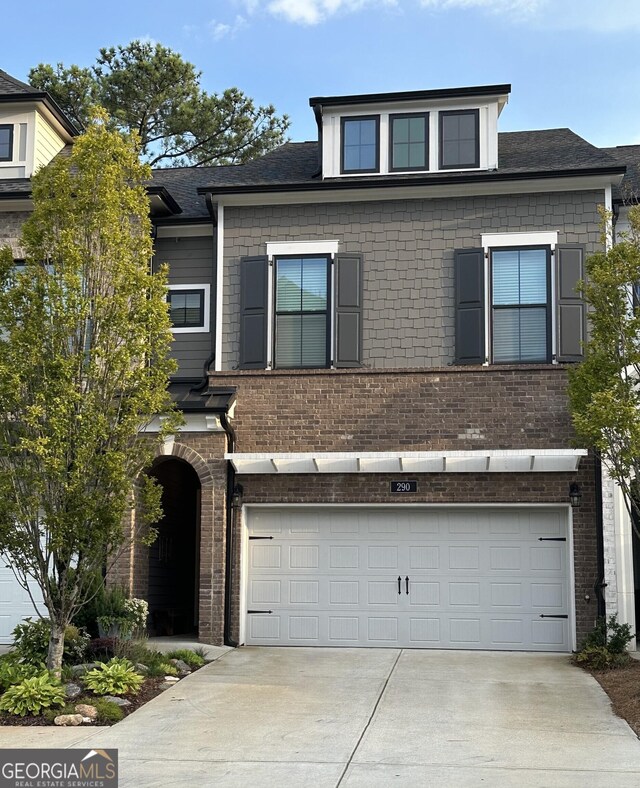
[
  {"x": 11, "y": 229},
  {"x": 190, "y": 262},
  {"x": 407, "y": 248}
]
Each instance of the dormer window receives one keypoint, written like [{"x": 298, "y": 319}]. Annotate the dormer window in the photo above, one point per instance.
[
  {"x": 409, "y": 142},
  {"x": 6, "y": 142},
  {"x": 459, "y": 139},
  {"x": 360, "y": 144}
]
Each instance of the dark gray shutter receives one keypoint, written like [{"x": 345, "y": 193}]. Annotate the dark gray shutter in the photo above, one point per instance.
[
  {"x": 469, "y": 294},
  {"x": 348, "y": 310},
  {"x": 254, "y": 273},
  {"x": 570, "y": 315}
]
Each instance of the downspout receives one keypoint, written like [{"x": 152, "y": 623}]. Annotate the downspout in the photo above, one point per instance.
[
  {"x": 213, "y": 306},
  {"x": 600, "y": 583},
  {"x": 317, "y": 111},
  {"x": 228, "y": 564}
]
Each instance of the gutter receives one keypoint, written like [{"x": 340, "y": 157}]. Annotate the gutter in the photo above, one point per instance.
[{"x": 391, "y": 183}]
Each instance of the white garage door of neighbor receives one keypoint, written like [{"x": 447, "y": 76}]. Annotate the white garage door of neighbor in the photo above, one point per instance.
[
  {"x": 15, "y": 604},
  {"x": 418, "y": 578}
]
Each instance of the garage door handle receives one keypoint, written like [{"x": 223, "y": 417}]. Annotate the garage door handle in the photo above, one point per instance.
[
  {"x": 548, "y": 615},
  {"x": 406, "y": 580},
  {"x": 399, "y": 584},
  {"x": 254, "y": 612}
]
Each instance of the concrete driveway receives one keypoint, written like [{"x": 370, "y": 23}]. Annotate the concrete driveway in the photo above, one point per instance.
[{"x": 368, "y": 717}]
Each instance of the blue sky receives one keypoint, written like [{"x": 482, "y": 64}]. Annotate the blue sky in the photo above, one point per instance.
[{"x": 570, "y": 62}]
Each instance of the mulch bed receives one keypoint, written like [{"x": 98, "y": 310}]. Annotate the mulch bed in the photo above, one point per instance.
[
  {"x": 148, "y": 690},
  {"x": 622, "y": 685}
]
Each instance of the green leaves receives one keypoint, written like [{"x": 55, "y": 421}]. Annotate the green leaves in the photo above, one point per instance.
[
  {"x": 116, "y": 677},
  {"x": 84, "y": 366},
  {"x": 604, "y": 390},
  {"x": 150, "y": 90},
  {"x": 32, "y": 695}
]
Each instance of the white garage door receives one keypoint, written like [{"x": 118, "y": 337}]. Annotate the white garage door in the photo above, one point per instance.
[
  {"x": 422, "y": 578},
  {"x": 15, "y": 604}
]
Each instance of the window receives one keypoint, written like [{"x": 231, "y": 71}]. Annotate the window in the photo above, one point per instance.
[
  {"x": 360, "y": 144},
  {"x": 302, "y": 313},
  {"x": 189, "y": 308},
  {"x": 409, "y": 142},
  {"x": 459, "y": 139},
  {"x": 6, "y": 142},
  {"x": 520, "y": 304}
]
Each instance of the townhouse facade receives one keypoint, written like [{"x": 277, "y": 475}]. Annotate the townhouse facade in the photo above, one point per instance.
[{"x": 373, "y": 333}]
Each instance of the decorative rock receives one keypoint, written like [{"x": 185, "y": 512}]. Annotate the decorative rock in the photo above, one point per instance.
[
  {"x": 89, "y": 713},
  {"x": 182, "y": 667},
  {"x": 142, "y": 668},
  {"x": 80, "y": 670},
  {"x": 117, "y": 701},
  {"x": 72, "y": 690},
  {"x": 68, "y": 719},
  {"x": 171, "y": 679},
  {"x": 167, "y": 685}
]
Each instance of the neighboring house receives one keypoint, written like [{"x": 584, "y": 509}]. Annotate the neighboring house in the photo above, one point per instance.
[{"x": 373, "y": 334}]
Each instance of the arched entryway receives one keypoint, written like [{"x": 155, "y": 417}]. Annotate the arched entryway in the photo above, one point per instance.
[{"x": 174, "y": 556}]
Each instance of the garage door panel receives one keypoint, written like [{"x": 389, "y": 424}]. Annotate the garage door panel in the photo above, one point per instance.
[
  {"x": 494, "y": 586},
  {"x": 15, "y": 602}
]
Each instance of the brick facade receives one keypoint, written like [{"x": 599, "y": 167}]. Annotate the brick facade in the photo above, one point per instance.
[
  {"x": 10, "y": 230},
  {"x": 452, "y": 408}
]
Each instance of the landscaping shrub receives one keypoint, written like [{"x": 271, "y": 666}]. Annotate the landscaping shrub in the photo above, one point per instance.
[
  {"x": 31, "y": 641},
  {"x": 102, "y": 649},
  {"x": 186, "y": 655},
  {"x": 605, "y": 647},
  {"x": 116, "y": 677},
  {"x": 32, "y": 695},
  {"x": 13, "y": 672},
  {"x": 108, "y": 712}
]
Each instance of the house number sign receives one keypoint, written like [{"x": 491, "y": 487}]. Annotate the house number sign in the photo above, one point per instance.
[{"x": 410, "y": 486}]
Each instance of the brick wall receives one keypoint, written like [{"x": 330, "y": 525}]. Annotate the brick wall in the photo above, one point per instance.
[
  {"x": 377, "y": 410},
  {"x": 407, "y": 248}
]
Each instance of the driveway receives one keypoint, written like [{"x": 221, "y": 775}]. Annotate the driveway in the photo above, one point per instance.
[{"x": 371, "y": 717}]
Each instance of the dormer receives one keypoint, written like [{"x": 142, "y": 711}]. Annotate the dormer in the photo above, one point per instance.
[
  {"x": 452, "y": 129},
  {"x": 33, "y": 129}
]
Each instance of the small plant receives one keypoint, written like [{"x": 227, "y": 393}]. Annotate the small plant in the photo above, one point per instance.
[
  {"x": 605, "y": 647},
  {"x": 186, "y": 655},
  {"x": 168, "y": 669},
  {"x": 108, "y": 712},
  {"x": 102, "y": 649},
  {"x": 32, "y": 695},
  {"x": 138, "y": 612},
  {"x": 13, "y": 672},
  {"x": 112, "y": 614},
  {"x": 51, "y": 714},
  {"x": 31, "y": 641},
  {"x": 116, "y": 677}
]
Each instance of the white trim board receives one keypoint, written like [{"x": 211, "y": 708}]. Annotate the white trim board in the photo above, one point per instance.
[
  {"x": 276, "y": 249},
  {"x": 493, "y": 240},
  {"x": 206, "y": 327}
]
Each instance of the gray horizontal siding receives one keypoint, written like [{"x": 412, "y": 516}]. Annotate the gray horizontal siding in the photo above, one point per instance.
[
  {"x": 190, "y": 262},
  {"x": 407, "y": 248}
]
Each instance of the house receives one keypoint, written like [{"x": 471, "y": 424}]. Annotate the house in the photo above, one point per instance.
[{"x": 373, "y": 333}]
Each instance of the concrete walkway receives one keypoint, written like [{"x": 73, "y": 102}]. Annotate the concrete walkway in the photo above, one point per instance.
[{"x": 367, "y": 717}]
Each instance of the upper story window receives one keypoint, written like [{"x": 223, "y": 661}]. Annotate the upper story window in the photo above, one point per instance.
[
  {"x": 409, "y": 142},
  {"x": 6, "y": 142},
  {"x": 302, "y": 311},
  {"x": 459, "y": 139},
  {"x": 360, "y": 150},
  {"x": 189, "y": 308},
  {"x": 521, "y": 314}
]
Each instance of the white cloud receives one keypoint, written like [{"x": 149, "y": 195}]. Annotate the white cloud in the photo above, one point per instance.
[
  {"x": 591, "y": 15},
  {"x": 220, "y": 30},
  {"x": 312, "y": 12}
]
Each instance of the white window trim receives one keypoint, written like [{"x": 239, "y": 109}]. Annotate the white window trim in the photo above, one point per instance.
[
  {"x": 494, "y": 240},
  {"x": 302, "y": 248},
  {"x": 205, "y": 328}
]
